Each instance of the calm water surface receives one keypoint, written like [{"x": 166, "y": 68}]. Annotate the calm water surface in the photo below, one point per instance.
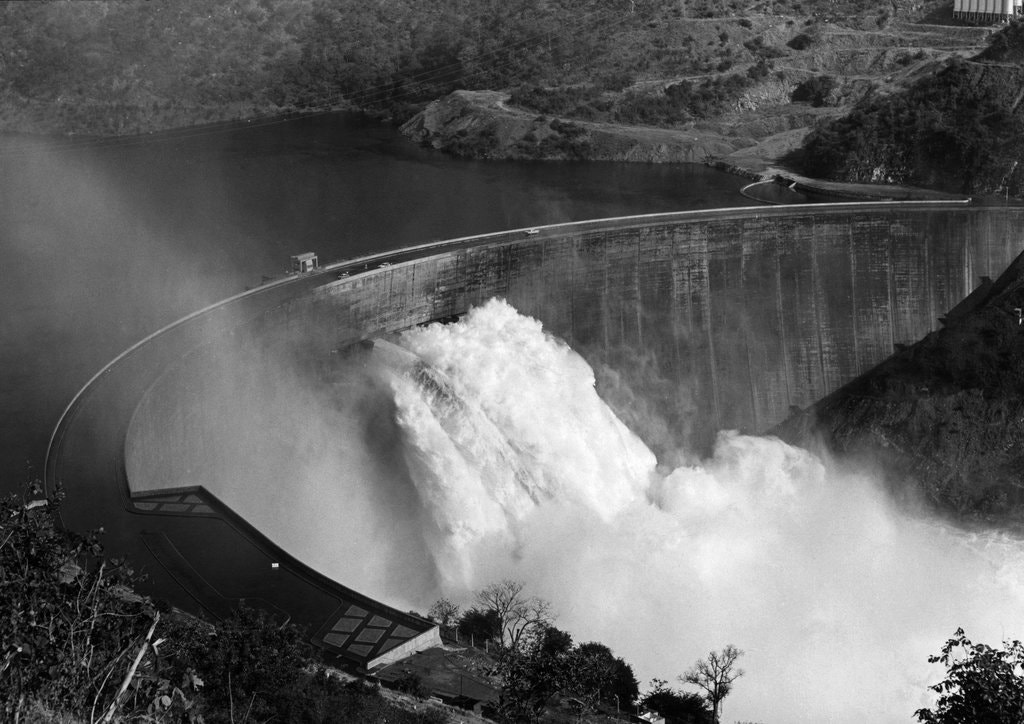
[{"x": 103, "y": 243}]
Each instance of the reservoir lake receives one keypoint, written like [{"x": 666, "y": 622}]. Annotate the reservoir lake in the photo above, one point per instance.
[{"x": 105, "y": 241}]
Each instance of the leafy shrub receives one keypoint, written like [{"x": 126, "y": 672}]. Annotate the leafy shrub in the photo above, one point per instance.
[
  {"x": 676, "y": 706},
  {"x": 566, "y": 128},
  {"x": 814, "y": 90},
  {"x": 955, "y": 130},
  {"x": 615, "y": 80},
  {"x": 245, "y": 661},
  {"x": 410, "y": 683},
  {"x": 554, "y": 101},
  {"x": 982, "y": 684},
  {"x": 759, "y": 70},
  {"x": 1006, "y": 46},
  {"x": 481, "y": 625},
  {"x": 477, "y": 145},
  {"x": 760, "y": 50},
  {"x": 685, "y": 101},
  {"x": 569, "y": 141},
  {"x": 69, "y": 622},
  {"x": 73, "y": 635},
  {"x": 649, "y": 110},
  {"x": 803, "y": 41}
]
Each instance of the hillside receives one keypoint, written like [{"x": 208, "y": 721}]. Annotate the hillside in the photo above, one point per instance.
[
  {"x": 956, "y": 129},
  {"x": 943, "y": 419},
  {"x": 746, "y": 89},
  {"x": 721, "y": 79}
]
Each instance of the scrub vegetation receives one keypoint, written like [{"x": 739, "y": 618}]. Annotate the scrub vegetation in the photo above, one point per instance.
[
  {"x": 957, "y": 129},
  {"x": 741, "y": 83},
  {"x": 543, "y": 674},
  {"x": 678, "y": 104},
  {"x": 77, "y": 644},
  {"x": 127, "y": 66},
  {"x": 982, "y": 684}
]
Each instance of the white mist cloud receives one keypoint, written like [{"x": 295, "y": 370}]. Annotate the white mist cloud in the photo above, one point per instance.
[
  {"x": 508, "y": 437},
  {"x": 836, "y": 597}
]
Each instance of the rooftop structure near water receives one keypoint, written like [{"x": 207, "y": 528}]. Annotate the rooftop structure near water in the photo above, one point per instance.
[{"x": 986, "y": 11}]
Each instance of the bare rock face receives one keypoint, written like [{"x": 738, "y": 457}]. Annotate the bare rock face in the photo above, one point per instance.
[
  {"x": 944, "y": 418},
  {"x": 480, "y": 124}
]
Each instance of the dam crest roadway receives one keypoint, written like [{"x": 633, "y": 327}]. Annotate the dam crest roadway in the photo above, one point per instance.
[{"x": 746, "y": 312}]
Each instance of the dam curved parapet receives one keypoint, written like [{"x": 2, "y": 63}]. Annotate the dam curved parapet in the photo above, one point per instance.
[
  {"x": 724, "y": 319},
  {"x": 749, "y": 311}
]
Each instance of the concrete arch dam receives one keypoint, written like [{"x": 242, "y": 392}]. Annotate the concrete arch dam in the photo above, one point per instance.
[{"x": 189, "y": 447}]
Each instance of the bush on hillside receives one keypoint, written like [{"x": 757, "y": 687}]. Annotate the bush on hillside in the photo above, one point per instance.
[
  {"x": 814, "y": 90},
  {"x": 69, "y": 622},
  {"x": 676, "y": 706},
  {"x": 802, "y": 41},
  {"x": 245, "y": 661},
  {"x": 1007, "y": 45},
  {"x": 956, "y": 130},
  {"x": 982, "y": 684},
  {"x": 73, "y": 634},
  {"x": 757, "y": 47},
  {"x": 559, "y": 101}
]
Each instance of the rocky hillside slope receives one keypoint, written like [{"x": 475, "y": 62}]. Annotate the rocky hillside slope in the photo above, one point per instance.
[
  {"x": 956, "y": 128},
  {"x": 642, "y": 80},
  {"x": 943, "y": 419},
  {"x": 769, "y": 80}
]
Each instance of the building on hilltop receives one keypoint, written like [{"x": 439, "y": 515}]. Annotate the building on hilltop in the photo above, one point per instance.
[{"x": 986, "y": 11}]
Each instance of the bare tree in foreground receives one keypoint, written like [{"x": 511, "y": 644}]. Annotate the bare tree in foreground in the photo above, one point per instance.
[
  {"x": 715, "y": 675},
  {"x": 517, "y": 616}
]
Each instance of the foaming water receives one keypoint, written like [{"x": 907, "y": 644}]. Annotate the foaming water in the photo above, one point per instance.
[{"x": 836, "y": 597}]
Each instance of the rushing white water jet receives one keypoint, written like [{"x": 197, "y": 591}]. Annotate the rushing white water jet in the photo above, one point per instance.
[{"x": 836, "y": 597}]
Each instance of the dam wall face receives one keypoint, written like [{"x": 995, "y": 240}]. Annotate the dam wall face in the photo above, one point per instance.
[
  {"x": 218, "y": 454},
  {"x": 718, "y": 320}
]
